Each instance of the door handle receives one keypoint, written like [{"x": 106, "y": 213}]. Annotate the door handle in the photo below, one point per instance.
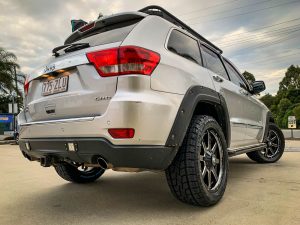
[
  {"x": 243, "y": 92},
  {"x": 218, "y": 79}
]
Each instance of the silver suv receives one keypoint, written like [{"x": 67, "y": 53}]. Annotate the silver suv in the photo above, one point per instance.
[{"x": 142, "y": 91}]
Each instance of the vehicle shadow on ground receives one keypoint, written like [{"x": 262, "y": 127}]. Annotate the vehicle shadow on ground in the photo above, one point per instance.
[{"x": 117, "y": 194}]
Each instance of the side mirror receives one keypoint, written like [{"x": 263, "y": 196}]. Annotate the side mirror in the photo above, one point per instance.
[{"x": 258, "y": 86}]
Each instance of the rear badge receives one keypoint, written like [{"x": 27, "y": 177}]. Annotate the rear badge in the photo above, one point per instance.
[
  {"x": 49, "y": 68},
  {"x": 103, "y": 98}
]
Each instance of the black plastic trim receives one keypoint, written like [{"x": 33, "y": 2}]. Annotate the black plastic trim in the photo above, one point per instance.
[
  {"x": 225, "y": 119},
  {"x": 87, "y": 150},
  {"x": 194, "y": 96},
  {"x": 269, "y": 118}
]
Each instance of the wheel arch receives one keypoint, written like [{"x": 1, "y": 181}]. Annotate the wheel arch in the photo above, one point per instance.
[
  {"x": 219, "y": 112},
  {"x": 199, "y": 100},
  {"x": 269, "y": 119}
]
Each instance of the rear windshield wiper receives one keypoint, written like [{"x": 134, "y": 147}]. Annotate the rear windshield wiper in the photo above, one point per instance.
[{"x": 70, "y": 48}]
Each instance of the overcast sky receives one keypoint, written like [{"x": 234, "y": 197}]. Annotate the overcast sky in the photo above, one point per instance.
[{"x": 260, "y": 36}]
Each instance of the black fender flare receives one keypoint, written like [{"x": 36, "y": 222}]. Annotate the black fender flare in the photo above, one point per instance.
[
  {"x": 194, "y": 96},
  {"x": 269, "y": 118}
]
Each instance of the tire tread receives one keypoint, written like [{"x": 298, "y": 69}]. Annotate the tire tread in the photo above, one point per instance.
[{"x": 183, "y": 175}]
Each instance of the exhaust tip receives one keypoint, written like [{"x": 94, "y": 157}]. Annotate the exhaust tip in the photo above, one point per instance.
[
  {"x": 46, "y": 161},
  {"x": 102, "y": 163},
  {"x": 27, "y": 156}
]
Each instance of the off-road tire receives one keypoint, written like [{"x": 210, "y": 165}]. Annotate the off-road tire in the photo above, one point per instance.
[
  {"x": 184, "y": 175},
  {"x": 258, "y": 156},
  {"x": 71, "y": 173}
]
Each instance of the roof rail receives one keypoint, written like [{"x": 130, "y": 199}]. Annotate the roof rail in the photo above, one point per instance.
[{"x": 159, "y": 11}]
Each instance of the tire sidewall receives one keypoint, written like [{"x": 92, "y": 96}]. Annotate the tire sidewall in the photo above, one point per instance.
[
  {"x": 281, "y": 144},
  {"x": 215, "y": 195},
  {"x": 95, "y": 172}
]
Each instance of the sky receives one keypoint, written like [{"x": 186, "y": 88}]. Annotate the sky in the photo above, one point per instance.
[{"x": 260, "y": 36}]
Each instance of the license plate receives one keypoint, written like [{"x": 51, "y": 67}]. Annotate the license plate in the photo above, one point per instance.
[{"x": 55, "y": 86}]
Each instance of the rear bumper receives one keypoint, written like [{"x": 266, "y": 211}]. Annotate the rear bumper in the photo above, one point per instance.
[
  {"x": 87, "y": 150},
  {"x": 134, "y": 105}
]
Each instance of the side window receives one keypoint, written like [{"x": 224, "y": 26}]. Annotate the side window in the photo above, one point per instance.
[
  {"x": 185, "y": 46},
  {"x": 234, "y": 76},
  {"x": 213, "y": 62}
]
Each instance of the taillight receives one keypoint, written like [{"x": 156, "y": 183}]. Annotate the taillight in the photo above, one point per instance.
[
  {"x": 26, "y": 86},
  {"x": 124, "y": 60},
  {"x": 121, "y": 132}
]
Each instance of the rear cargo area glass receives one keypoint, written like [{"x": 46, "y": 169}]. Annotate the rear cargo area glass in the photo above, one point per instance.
[{"x": 108, "y": 34}]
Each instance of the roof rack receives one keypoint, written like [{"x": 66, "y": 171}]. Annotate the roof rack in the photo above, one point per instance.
[{"x": 159, "y": 11}]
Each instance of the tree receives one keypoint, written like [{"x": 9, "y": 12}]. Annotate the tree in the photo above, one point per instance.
[
  {"x": 296, "y": 113},
  {"x": 283, "y": 111},
  {"x": 293, "y": 95},
  {"x": 249, "y": 77},
  {"x": 7, "y": 69},
  {"x": 284, "y": 119},
  {"x": 283, "y": 105},
  {"x": 9, "y": 78},
  {"x": 291, "y": 79},
  {"x": 287, "y": 100},
  {"x": 4, "y": 100},
  {"x": 268, "y": 100}
]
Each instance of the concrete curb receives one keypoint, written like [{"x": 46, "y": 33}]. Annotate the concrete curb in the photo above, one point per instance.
[{"x": 292, "y": 149}]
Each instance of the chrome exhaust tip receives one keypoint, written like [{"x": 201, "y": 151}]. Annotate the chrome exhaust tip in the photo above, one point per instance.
[{"x": 102, "y": 163}]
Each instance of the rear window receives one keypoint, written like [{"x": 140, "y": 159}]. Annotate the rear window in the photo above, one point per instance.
[
  {"x": 109, "y": 34},
  {"x": 185, "y": 46}
]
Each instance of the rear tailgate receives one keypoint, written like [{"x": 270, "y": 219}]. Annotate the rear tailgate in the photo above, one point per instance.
[
  {"x": 68, "y": 86},
  {"x": 86, "y": 94}
]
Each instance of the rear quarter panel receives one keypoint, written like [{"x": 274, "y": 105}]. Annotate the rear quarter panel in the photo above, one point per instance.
[{"x": 174, "y": 74}]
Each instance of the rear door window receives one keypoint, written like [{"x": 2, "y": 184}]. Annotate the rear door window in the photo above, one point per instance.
[
  {"x": 213, "y": 62},
  {"x": 185, "y": 46}
]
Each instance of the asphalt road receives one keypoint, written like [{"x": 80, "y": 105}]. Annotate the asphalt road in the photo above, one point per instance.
[{"x": 256, "y": 194}]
